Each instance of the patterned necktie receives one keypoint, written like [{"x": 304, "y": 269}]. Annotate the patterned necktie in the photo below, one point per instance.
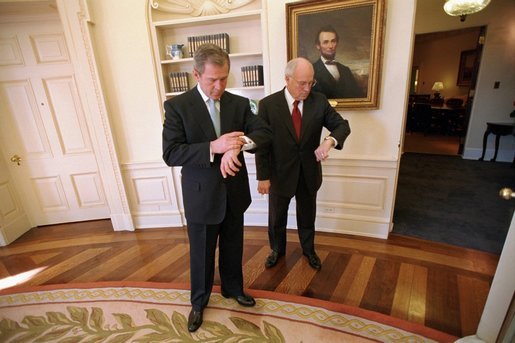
[
  {"x": 215, "y": 116},
  {"x": 296, "y": 117}
]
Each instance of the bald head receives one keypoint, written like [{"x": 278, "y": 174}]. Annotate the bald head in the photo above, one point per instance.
[
  {"x": 299, "y": 76},
  {"x": 297, "y": 63}
]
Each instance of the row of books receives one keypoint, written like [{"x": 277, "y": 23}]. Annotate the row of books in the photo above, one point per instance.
[
  {"x": 252, "y": 75},
  {"x": 220, "y": 39},
  {"x": 179, "y": 81}
]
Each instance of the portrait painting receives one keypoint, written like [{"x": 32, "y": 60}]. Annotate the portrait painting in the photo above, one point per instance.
[{"x": 343, "y": 40}]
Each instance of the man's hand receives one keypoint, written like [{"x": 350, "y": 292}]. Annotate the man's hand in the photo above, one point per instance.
[
  {"x": 263, "y": 187},
  {"x": 230, "y": 164},
  {"x": 322, "y": 152},
  {"x": 226, "y": 142}
]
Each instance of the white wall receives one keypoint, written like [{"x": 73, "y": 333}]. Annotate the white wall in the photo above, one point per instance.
[
  {"x": 359, "y": 182},
  {"x": 123, "y": 51}
]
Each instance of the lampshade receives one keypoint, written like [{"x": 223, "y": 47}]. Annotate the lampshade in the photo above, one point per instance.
[
  {"x": 437, "y": 86},
  {"x": 464, "y": 7}
]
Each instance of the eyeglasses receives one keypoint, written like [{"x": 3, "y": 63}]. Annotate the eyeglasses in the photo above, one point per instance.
[{"x": 303, "y": 84}]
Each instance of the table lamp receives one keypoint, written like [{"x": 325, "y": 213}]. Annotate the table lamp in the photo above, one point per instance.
[{"x": 437, "y": 87}]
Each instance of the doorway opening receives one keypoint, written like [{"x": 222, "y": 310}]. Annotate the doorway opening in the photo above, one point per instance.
[
  {"x": 439, "y": 195},
  {"x": 444, "y": 72}
]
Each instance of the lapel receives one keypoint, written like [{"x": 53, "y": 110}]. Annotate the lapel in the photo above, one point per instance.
[
  {"x": 283, "y": 111},
  {"x": 227, "y": 113},
  {"x": 201, "y": 114},
  {"x": 329, "y": 77},
  {"x": 308, "y": 114}
]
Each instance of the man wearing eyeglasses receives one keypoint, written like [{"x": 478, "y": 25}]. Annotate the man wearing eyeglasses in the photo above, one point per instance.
[
  {"x": 291, "y": 165},
  {"x": 335, "y": 80}
]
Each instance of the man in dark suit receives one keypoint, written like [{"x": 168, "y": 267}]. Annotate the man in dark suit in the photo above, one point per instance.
[
  {"x": 291, "y": 166},
  {"x": 215, "y": 186},
  {"x": 334, "y": 79}
]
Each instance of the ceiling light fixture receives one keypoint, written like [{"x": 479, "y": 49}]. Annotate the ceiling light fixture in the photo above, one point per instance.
[{"x": 463, "y": 7}]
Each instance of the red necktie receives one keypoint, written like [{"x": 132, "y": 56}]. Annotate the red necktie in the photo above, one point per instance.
[{"x": 296, "y": 117}]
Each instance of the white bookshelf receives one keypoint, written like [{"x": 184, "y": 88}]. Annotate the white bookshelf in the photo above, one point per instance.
[{"x": 244, "y": 25}]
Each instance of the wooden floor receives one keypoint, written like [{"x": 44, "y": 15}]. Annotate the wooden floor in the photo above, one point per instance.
[
  {"x": 436, "y": 285},
  {"x": 431, "y": 144}
]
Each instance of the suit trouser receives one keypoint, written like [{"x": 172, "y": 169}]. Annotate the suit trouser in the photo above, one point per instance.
[
  {"x": 203, "y": 240},
  {"x": 278, "y": 218}
]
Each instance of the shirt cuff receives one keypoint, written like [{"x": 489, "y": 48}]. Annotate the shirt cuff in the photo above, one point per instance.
[
  {"x": 333, "y": 139},
  {"x": 249, "y": 144}
]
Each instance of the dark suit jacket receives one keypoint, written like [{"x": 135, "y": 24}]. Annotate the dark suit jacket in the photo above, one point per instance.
[
  {"x": 345, "y": 87},
  {"x": 282, "y": 161},
  {"x": 187, "y": 131}
]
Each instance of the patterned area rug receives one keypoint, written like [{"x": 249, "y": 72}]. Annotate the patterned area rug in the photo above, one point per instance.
[{"x": 157, "y": 312}]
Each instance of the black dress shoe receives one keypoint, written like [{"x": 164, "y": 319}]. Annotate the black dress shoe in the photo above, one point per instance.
[
  {"x": 194, "y": 320},
  {"x": 243, "y": 300},
  {"x": 314, "y": 261},
  {"x": 272, "y": 259}
]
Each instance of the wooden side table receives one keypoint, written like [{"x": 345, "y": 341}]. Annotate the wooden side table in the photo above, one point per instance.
[{"x": 498, "y": 129}]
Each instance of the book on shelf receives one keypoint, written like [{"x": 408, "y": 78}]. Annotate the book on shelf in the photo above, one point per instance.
[
  {"x": 252, "y": 75},
  {"x": 179, "y": 81},
  {"x": 220, "y": 39}
]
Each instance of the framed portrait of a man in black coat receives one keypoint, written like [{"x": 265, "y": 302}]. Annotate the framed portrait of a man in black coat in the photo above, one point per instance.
[{"x": 343, "y": 40}]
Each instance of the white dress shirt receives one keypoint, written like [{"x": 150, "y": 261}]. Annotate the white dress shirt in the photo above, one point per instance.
[
  {"x": 249, "y": 143},
  {"x": 332, "y": 68},
  {"x": 290, "y": 100}
]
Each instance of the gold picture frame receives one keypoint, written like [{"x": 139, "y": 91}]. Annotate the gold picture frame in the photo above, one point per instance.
[
  {"x": 359, "y": 26},
  {"x": 466, "y": 69}
]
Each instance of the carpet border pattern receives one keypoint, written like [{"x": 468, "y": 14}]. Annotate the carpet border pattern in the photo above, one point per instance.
[{"x": 322, "y": 314}]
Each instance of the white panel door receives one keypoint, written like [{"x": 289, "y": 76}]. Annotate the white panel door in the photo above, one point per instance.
[
  {"x": 43, "y": 130},
  {"x": 13, "y": 219}
]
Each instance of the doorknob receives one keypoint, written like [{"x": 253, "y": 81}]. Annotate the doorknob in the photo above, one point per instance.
[
  {"x": 16, "y": 159},
  {"x": 507, "y": 193}
]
